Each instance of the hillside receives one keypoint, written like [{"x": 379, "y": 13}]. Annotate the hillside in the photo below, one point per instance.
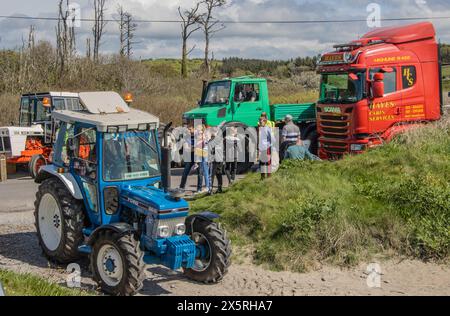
[{"x": 394, "y": 200}]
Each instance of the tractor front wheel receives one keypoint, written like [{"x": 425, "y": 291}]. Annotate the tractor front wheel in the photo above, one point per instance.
[
  {"x": 35, "y": 164},
  {"x": 213, "y": 253},
  {"x": 118, "y": 265},
  {"x": 59, "y": 221}
]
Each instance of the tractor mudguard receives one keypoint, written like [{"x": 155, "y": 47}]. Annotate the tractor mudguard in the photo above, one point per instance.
[
  {"x": 119, "y": 228},
  {"x": 66, "y": 178},
  {"x": 204, "y": 216}
]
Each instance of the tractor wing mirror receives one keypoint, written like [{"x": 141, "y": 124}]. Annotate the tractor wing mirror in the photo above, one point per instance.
[{"x": 378, "y": 85}]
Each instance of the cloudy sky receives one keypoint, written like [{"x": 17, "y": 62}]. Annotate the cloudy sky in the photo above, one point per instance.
[{"x": 268, "y": 41}]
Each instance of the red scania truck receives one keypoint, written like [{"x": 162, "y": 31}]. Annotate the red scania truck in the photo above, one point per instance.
[{"x": 376, "y": 87}]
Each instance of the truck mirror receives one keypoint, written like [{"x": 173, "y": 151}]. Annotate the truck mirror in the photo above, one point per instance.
[{"x": 378, "y": 85}]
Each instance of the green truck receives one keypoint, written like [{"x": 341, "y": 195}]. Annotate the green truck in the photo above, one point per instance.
[{"x": 241, "y": 101}]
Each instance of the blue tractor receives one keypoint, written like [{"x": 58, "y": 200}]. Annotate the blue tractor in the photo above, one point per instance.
[{"x": 106, "y": 194}]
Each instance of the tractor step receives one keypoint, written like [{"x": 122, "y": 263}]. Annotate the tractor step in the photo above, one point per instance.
[{"x": 86, "y": 249}]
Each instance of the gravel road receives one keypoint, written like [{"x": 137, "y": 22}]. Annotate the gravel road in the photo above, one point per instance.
[{"x": 19, "y": 251}]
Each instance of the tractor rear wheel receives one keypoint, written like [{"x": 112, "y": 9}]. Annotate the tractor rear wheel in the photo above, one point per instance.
[
  {"x": 118, "y": 264},
  {"x": 59, "y": 220},
  {"x": 213, "y": 253},
  {"x": 36, "y": 162}
]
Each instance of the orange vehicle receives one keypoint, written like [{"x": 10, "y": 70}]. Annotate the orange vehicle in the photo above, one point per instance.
[
  {"x": 30, "y": 143},
  {"x": 377, "y": 87}
]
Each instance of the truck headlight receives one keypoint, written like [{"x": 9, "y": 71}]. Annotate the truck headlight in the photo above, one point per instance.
[
  {"x": 180, "y": 229},
  {"x": 357, "y": 147},
  {"x": 163, "y": 232}
]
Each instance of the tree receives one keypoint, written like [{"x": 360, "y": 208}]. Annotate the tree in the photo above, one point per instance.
[
  {"x": 189, "y": 19},
  {"x": 127, "y": 30},
  {"x": 65, "y": 36},
  {"x": 210, "y": 26},
  {"x": 99, "y": 25}
]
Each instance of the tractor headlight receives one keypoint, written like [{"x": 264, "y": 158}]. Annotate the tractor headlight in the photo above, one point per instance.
[
  {"x": 180, "y": 229},
  {"x": 163, "y": 232}
]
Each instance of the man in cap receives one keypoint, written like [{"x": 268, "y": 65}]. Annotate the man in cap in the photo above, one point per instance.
[{"x": 289, "y": 136}]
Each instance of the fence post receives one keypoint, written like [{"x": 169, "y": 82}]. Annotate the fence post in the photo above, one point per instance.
[
  {"x": 3, "y": 169},
  {"x": 2, "y": 291}
]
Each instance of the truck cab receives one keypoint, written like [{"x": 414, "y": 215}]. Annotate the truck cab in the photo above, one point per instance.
[
  {"x": 241, "y": 99},
  {"x": 376, "y": 87}
]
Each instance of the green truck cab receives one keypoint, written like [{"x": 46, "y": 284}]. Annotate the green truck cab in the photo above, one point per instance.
[{"x": 241, "y": 101}]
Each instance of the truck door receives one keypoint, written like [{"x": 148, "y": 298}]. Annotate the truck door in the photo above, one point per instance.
[
  {"x": 413, "y": 100},
  {"x": 386, "y": 111},
  {"x": 248, "y": 106}
]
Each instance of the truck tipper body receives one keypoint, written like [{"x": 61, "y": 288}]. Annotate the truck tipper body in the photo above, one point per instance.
[{"x": 376, "y": 87}]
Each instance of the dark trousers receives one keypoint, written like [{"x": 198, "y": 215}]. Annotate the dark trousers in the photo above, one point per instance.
[
  {"x": 231, "y": 170},
  {"x": 217, "y": 172},
  {"x": 187, "y": 170},
  {"x": 284, "y": 147}
]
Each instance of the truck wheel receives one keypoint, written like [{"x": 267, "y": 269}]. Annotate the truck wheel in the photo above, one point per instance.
[
  {"x": 312, "y": 142},
  {"x": 35, "y": 164},
  {"x": 59, "y": 221},
  {"x": 213, "y": 253},
  {"x": 117, "y": 263}
]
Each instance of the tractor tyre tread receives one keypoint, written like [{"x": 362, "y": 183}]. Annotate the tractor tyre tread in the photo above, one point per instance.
[
  {"x": 221, "y": 253},
  {"x": 133, "y": 260},
  {"x": 72, "y": 222}
]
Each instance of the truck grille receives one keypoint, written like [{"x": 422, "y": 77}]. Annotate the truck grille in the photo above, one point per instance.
[{"x": 335, "y": 128}]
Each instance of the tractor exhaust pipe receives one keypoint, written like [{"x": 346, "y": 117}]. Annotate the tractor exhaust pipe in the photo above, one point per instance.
[{"x": 166, "y": 169}]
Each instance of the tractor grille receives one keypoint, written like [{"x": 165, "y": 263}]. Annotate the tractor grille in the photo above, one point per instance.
[{"x": 153, "y": 224}]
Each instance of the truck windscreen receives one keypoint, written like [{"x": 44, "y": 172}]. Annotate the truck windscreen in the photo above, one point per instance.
[
  {"x": 341, "y": 88},
  {"x": 218, "y": 93}
]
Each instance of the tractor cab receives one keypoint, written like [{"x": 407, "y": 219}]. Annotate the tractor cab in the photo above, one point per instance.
[{"x": 103, "y": 196}]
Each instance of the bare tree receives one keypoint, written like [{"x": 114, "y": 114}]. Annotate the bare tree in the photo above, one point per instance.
[
  {"x": 88, "y": 48},
  {"x": 122, "y": 30},
  {"x": 189, "y": 19},
  {"x": 127, "y": 29},
  {"x": 65, "y": 36},
  {"x": 210, "y": 26},
  {"x": 99, "y": 25},
  {"x": 131, "y": 28}
]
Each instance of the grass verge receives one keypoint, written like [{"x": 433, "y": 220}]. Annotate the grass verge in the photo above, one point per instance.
[
  {"x": 16, "y": 284},
  {"x": 392, "y": 200}
]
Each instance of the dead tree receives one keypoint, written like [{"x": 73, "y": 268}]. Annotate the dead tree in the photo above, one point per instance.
[
  {"x": 122, "y": 30},
  {"x": 210, "y": 26},
  {"x": 65, "y": 36},
  {"x": 131, "y": 28},
  {"x": 88, "y": 48},
  {"x": 99, "y": 25},
  {"x": 127, "y": 29},
  {"x": 189, "y": 19}
]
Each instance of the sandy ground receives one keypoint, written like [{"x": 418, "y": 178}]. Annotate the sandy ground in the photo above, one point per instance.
[{"x": 20, "y": 252}]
